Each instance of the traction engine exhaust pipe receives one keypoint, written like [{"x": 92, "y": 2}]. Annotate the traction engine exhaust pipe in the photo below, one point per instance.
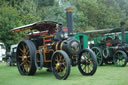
[
  {"x": 69, "y": 20},
  {"x": 122, "y": 32}
]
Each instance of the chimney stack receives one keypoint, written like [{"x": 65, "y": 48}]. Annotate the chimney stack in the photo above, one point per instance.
[
  {"x": 122, "y": 32},
  {"x": 69, "y": 20}
]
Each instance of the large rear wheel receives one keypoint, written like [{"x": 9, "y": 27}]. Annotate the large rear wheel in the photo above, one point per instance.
[
  {"x": 25, "y": 57},
  {"x": 120, "y": 58},
  {"x": 60, "y": 65},
  {"x": 87, "y": 63}
]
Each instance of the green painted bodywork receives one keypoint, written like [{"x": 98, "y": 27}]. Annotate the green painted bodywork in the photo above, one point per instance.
[
  {"x": 96, "y": 40},
  {"x": 126, "y": 37},
  {"x": 112, "y": 35},
  {"x": 85, "y": 39}
]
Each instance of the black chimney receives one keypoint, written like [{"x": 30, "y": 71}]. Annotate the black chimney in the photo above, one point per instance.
[
  {"x": 69, "y": 20},
  {"x": 122, "y": 32}
]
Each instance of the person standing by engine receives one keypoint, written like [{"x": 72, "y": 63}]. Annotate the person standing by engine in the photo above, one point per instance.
[{"x": 116, "y": 40}]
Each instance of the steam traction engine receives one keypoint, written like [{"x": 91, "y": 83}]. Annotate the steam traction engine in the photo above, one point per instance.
[
  {"x": 111, "y": 48},
  {"x": 54, "y": 48}
]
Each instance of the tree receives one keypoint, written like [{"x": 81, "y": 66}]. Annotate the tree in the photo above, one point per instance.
[
  {"x": 99, "y": 13},
  {"x": 9, "y": 18},
  {"x": 87, "y": 14}
]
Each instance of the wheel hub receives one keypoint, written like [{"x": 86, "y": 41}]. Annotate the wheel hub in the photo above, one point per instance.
[
  {"x": 24, "y": 58},
  {"x": 120, "y": 58},
  {"x": 58, "y": 65},
  {"x": 86, "y": 62}
]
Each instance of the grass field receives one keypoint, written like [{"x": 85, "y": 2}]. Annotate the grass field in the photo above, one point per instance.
[{"x": 105, "y": 75}]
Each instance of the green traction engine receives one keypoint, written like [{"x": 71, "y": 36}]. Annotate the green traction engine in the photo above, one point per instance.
[{"x": 112, "y": 47}]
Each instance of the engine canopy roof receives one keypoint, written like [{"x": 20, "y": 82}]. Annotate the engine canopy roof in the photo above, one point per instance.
[{"x": 40, "y": 26}]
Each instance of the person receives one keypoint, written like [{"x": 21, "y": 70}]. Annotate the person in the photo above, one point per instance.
[
  {"x": 116, "y": 36},
  {"x": 117, "y": 40},
  {"x": 58, "y": 33}
]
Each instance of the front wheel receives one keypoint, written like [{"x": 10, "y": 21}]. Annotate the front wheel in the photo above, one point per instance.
[
  {"x": 87, "y": 63},
  {"x": 60, "y": 65},
  {"x": 120, "y": 58}
]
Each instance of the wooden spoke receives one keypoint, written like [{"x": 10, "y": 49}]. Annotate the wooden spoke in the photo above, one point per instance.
[
  {"x": 57, "y": 70},
  {"x": 89, "y": 69},
  {"x": 21, "y": 50},
  {"x": 85, "y": 68},
  {"x": 57, "y": 59},
  {"x": 91, "y": 65},
  {"x": 20, "y": 56},
  {"x": 29, "y": 61},
  {"x": 62, "y": 71},
  {"x": 27, "y": 67},
  {"x": 26, "y": 53},
  {"x": 60, "y": 57},
  {"x": 63, "y": 62},
  {"x": 88, "y": 55},
  {"x": 24, "y": 47},
  {"x": 23, "y": 68},
  {"x": 22, "y": 63},
  {"x": 82, "y": 65},
  {"x": 98, "y": 53}
]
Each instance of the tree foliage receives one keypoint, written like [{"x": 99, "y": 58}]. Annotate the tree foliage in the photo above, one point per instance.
[{"x": 87, "y": 14}]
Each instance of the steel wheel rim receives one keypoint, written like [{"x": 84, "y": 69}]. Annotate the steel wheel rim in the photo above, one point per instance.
[
  {"x": 59, "y": 65},
  {"x": 24, "y": 60},
  {"x": 119, "y": 59},
  {"x": 98, "y": 55},
  {"x": 86, "y": 62}
]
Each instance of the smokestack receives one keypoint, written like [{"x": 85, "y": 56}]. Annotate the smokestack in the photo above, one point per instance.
[
  {"x": 69, "y": 20},
  {"x": 123, "y": 32}
]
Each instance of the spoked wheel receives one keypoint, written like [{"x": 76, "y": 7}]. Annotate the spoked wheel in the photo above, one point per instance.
[
  {"x": 25, "y": 57},
  {"x": 87, "y": 62},
  {"x": 60, "y": 65},
  {"x": 98, "y": 55},
  {"x": 120, "y": 58}
]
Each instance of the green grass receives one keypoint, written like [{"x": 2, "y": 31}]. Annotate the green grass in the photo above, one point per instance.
[{"x": 105, "y": 75}]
